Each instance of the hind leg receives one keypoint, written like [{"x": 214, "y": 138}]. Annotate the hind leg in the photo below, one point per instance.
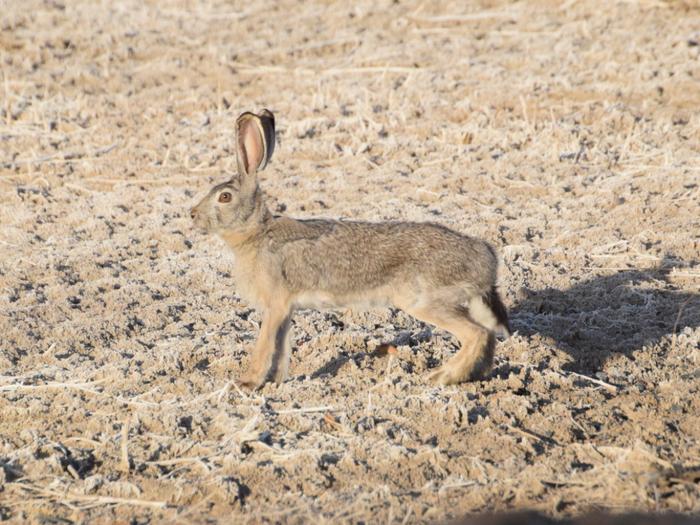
[
  {"x": 472, "y": 362},
  {"x": 475, "y": 356}
]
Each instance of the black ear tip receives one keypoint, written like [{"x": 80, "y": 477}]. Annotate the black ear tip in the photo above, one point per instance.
[{"x": 267, "y": 114}]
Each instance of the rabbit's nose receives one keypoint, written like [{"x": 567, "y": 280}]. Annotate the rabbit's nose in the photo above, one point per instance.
[{"x": 193, "y": 213}]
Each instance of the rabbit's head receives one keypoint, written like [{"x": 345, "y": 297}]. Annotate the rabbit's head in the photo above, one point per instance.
[{"x": 238, "y": 202}]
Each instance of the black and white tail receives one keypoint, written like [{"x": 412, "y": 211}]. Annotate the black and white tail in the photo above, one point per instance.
[
  {"x": 493, "y": 300},
  {"x": 490, "y": 312}
]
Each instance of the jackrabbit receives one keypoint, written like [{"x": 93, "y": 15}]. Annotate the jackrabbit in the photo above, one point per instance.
[{"x": 427, "y": 270}]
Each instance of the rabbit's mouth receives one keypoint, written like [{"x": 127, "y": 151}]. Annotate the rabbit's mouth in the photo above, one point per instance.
[
  {"x": 202, "y": 224},
  {"x": 204, "y": 228}
]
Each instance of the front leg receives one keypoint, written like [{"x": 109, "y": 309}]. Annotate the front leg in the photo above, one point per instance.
[
  {"x": 271, "y": 345},
  {"x": 283, "y": 350}
]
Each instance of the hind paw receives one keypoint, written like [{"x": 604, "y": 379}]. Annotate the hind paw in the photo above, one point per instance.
[
  {"x": 444, "y": 376},
  {"x": 449, "y": 375}
]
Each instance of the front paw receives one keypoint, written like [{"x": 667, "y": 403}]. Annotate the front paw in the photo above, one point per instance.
[{"x": 251, "y": 381}]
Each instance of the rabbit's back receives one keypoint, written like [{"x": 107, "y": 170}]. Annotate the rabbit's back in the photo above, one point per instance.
[{"x": 344, "y": 257}]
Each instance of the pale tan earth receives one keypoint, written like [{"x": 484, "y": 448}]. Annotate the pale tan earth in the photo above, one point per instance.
[{"x": 567, "y": 134}]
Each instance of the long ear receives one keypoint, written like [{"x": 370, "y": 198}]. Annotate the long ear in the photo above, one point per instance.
[{"x": 255, "y": 141}]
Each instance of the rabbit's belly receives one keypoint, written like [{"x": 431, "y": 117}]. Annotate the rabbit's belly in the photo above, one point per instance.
[{"x": 368, "y": 299}]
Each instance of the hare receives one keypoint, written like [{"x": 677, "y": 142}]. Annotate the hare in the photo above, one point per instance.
[{"x": 282, "y": 264}]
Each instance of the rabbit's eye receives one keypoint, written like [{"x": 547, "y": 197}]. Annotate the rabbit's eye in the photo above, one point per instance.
[{"x": 225, "y": 197}]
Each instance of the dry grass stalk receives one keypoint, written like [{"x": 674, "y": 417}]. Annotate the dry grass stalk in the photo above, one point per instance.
[
  {"x": 81, "y": 501},
  {"x": 461, "y": 18},
  {"x": 124, "y": 464},
  {"x": 600, "y": 382},
  {"x": 306, "y": 410}
]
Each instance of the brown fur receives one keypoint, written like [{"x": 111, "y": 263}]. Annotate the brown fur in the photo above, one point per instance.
[{"x": 431, "y": 272}]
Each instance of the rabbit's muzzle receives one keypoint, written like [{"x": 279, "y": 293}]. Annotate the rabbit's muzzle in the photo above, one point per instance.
[{"x": 199, "y": 219}]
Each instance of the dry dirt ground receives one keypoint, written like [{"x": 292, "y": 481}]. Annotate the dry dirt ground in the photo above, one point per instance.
[{"x": 567, "y": 134}]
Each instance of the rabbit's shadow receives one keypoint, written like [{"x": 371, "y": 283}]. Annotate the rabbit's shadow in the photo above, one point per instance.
[{"x": 602, "y": 316}]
